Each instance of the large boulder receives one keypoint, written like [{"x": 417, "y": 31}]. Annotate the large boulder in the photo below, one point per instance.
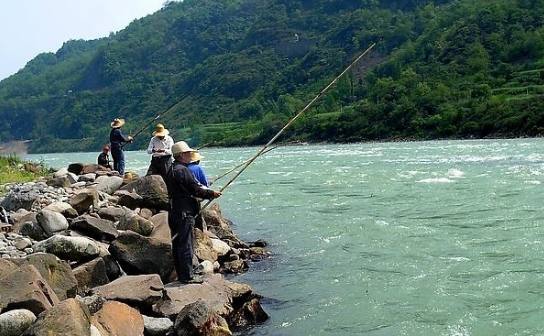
[
  {"x": 135, "y": 290},
  {"x": 90, "y": 275},
  {"x": 153, "y": 191},
  {"x": 220, "y": 247},
  {"x": 108, "y": 184},
  {"x": 220, "y": 295},
  {"x": 15, "y": 322},
  {"x": 203, "y": 247},
  {"x": 84, "y": 200},
  {"x": 133, "y": 222},
  {"x": 69, "y": 317},
  {"x": 19, "y": 200},
  {"x": 57, "y": 273},
  {"x": 250, "y": 313},
  {"x": 118, "y": 319},
  {"x": 26, "y": 289},
  {"x": 59, "y": 182},
  {"x": 100, "y": 229},
  {"x": 69, "y": 248},
  {"x": 51, "y": 222},
  {"x": 128, "y": 199},
  {"x": 63, "y": 208},
  {"x": 111, "y": 213},
  {"x": 161, "y": 230},
  {"x": 221, "y": 226},
  {"x": 142, "y": 255},
  {"x": 197, "y": 319}
]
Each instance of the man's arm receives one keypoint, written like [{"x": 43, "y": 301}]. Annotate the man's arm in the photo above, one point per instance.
[
  {"x": 193, "y": 187},
  {"x": 150, "y": 147}
]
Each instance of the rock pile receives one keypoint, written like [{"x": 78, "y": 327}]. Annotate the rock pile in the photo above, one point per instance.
[{"x": 90, "y": 254}]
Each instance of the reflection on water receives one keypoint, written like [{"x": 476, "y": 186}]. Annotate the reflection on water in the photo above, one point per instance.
[{"x": 424, "y": 238}]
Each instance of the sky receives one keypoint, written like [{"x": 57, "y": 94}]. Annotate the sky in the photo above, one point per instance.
[{"x": 29, "y": 27}]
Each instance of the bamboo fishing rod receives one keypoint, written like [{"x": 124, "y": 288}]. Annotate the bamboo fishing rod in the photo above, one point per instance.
[
  {"x": 157, "y": 117},
  {"x": 275, "y": 137}
]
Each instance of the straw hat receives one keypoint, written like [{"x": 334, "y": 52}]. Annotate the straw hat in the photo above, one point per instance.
[
  {"x": 117, "y": 123},
  {"x": 160, "y": 131},
  {"x": 195, "y": 156},
  {"x": 181, "y": 147}
]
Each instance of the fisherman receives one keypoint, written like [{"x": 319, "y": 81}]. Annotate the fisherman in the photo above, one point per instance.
[
  {"x": 117, "y": 140},
  {"x": 196, "y": 169},
  {"x": 104, "y": 157},
  {"x": 160, "y": 148},
  {"x": 182, "y": 192}
]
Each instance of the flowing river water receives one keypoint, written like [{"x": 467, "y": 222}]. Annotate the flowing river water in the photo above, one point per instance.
[{"x": 420, "y": 238}]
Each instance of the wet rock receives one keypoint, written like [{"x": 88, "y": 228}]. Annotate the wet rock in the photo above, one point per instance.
[
  {"x": 84, "y": 200},
  {"x": 135, "y": 290},
  {"x": 197, "y": 319},
  {"x": 69, "y": 248},
  {"x": 108, "y": 184},
  {"x": 57, "y": 273},
  {"x": 19, "y": 200},
  {"x": 63, "y": 208},
  {"x": 235, "y": 266},
  {"x": 51, "y": 222},
  {"x": 111, "y": 213},
  {"x": 25, "y": 288},
  {"x": 128, "y": 199},
  {"x": 69, "y": 317},
  {"x": 250, "y": 313},
  {"x": 142, "y": 255},
  {"x": 15, "y": 322},
  {"x": 259, "y": 243},
  {"x": 135, "y": 223},
  {"x": 153, "y": 191},
  {"x": 203, "y": 247},
  {"x": 97, "y": 228},
  {"x": 154, "y": 326},
  {"x": 90, "y": 275},
  {"x": 118, "y": 319}
]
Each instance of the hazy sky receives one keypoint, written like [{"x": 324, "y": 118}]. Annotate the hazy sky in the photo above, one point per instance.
[{"x": 29, "y": 27}]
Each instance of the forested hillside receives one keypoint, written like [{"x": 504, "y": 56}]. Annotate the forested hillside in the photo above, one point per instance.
[{"x": 242, "y": 67}]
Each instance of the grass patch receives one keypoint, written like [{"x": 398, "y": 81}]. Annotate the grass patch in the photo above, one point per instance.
[{"x": 13, "y": 169}]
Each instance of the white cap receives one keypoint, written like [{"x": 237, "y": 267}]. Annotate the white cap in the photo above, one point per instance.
[{"x": 181, "y": 147}]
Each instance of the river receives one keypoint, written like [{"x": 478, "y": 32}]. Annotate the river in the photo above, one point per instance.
[{"x": 419, "y": 238}]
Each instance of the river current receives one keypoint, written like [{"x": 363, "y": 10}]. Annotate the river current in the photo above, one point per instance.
[{"x": 419, "y": 238}]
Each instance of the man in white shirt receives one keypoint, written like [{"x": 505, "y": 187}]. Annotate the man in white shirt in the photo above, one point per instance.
[{"x": 160, "y": 148}]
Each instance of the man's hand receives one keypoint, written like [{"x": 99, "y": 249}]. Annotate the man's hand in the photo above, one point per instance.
[
  {"x": 216, "y": 194},
  {"x": 130, "y": 138}
]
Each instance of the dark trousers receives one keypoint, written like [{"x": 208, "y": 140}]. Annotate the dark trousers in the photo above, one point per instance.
[
  {"x": 181, "y": 228},
  {"x": 118, "y": 160},
  {"x": 159, "y": 166}
]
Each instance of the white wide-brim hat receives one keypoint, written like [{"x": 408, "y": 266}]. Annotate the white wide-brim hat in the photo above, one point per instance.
[{"x": 181, "y": 147}]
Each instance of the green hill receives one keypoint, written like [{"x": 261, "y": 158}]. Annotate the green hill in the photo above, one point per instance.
[{"x": 242, "y": 67}]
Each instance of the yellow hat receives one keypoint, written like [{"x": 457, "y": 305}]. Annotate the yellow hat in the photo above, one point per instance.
[
  {"x": 181, "y": 147},
  {"x": 195, "y": 156},
  {"x": 117, "y": 123},
  {"x": 160, "y": 131}
]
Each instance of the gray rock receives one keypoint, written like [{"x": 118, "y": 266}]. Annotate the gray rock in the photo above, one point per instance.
[
  {"x": 63, "y": 208},
  {"x": 69, "y": 248},
  {"x": 97, "y": 228},
  {"x": 19, "y": 200},
  {"x": 220, "y": 247},
  {"x": 153, "y": 191},
  {"x": 91, "y": 177},
  {"x": 142, "y": 255},
  {"x": 93, "y": 302},
  {"x": 32, "y": 230},
  {"x": 108, "y": 184},
  {"x": 128, "y": 199},
  {"x": 61, "y": 172},
  {"x": 84, "y": 200},
  {"x": 79, "y": 185},
  {"x": 111, "y": 213},
  {"x": 133, "y": 222},
  {"x": 136, "y": 290},
  {"x": 15, "y": 322},
  {"x": 22, "y": 243},
  {"x": 59, "y": 182},
  {"x": 157, "y": 326},
  {"x": 205, "y": 267},
  {"x": 91, "y": 274},
  {"x": 51, "y": 222}
]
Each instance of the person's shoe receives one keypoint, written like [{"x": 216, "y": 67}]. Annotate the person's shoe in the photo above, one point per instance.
[{"x": 193, "y": 280}]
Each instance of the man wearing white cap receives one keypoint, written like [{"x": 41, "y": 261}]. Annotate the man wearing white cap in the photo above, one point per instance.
[
  {"x": 182, "y": 191},
  {"x": 160, "y": 148}
]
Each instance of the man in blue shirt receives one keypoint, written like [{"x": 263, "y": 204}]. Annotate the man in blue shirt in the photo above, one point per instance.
[
  {"x": 117, "y": 140},
  {"x": 196, "y": 169}
]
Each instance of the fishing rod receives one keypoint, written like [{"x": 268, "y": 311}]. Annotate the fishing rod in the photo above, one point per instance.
[
  {"x": 275, "y": 137},
  {"x": 157, "y": 117}
]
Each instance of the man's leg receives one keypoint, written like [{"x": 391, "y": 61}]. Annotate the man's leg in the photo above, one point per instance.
[
  {"x": 185, "y": 247},
  {"x": 121, "y": 163}
]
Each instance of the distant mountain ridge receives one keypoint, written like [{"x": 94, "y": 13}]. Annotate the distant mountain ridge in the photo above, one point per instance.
[{"x": 243, "y": 67}]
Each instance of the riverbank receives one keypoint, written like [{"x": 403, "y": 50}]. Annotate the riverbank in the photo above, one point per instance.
[
  {"x": 13, "y": 169},
  {"x": 91, "y": 245}
]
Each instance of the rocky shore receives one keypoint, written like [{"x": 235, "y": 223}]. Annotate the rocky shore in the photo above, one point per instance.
[{"x": 86, "y": 252}]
